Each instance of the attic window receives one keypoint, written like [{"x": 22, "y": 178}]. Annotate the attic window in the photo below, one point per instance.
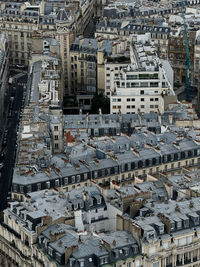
[{"x": 99, "y": 201}]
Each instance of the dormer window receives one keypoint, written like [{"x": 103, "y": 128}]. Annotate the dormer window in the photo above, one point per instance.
[
  {"x": 91, "y": 202},
  {"x": 179, "y": 225},
  {"x": 50, "y": 251},
  {"x": 82, "y": 263},
  {"x": 99, "y": 201},
  {"x": 196, "y": 220},
  {"x": 172, "y": 226},
  {"x": 151, "y": 235},
  {"x": 126, "y": 251},
  {"x": 161, "y": 229},
  {"x": 186, "y": 223}
]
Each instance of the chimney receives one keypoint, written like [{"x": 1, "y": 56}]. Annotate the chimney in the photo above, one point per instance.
[{"x": 60, "y": 243}]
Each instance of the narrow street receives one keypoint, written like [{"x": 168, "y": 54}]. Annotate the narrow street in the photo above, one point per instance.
[{"x": 9, "y": 158}]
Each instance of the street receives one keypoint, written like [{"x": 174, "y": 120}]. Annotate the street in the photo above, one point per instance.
[{"x": 9, "y": 157}]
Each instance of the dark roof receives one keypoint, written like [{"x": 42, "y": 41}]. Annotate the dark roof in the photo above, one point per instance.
[{"x": 62, "y": 15}]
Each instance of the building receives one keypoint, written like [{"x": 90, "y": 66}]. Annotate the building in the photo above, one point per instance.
[
  {"x": 83, "y": 66},
  {"x": 49, "y": 19},
  {"x": 142, "y": 85},
  {"x": 123, "y": 28},
  {"x": 4, "y": 88},
  {"x": 177, "y": 54},
  {"x": 168, "y": 231}
]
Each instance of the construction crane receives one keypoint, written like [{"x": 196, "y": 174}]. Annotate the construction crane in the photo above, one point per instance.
[{"x": 188, "y": 53}]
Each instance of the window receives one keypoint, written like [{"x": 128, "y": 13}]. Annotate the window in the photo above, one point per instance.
[
  {"x": 132, "y": 99},
  {"x": 56, "y": 146},
  {"x": 73, "y": 179},
  {"x": 55, "y": 128},
  {"x": 29, "y": 188},
  {"x": 132, "y": 106},
  {"x": 142, "y": 106},
  {"x": 103, "y": 260},
  {"x": 114, "y": 100},
  {"x": 142, "y": 92},
  {"x": 57, "y": 182},
  {"x": 39, "y": 186},
  {"x": 55, "y": 137},
  {"x": 128, "y": 107},
  {"x": 190, "y": 239},
  {"x": 128, "y": 99},
  {"x": 78, "y": 178},
  {"x": 142, "y": 99},
  {"x": 15, "y": 188},
  {"x": 183, "y": 241},
  {"x": 48, "y": 184},
  {"x": 66, "y": 180},
  {"x": 119, "y": 100},
  {"x": 166, "y": 245},
  {"x": 21, "y": 189},
  {"x": 156, "y": 264}
]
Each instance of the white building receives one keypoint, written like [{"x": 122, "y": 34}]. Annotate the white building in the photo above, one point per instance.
[{"x": 141, "y": 85}]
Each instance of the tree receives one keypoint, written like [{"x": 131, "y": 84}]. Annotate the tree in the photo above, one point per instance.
[{"x": 100, "y": 101}]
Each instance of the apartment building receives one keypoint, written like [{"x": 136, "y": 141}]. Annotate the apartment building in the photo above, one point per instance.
[
  {"x": 113, "y": 65},
  {"x": 112, "y": 49},
  {"x": 170, "y": 232},
  {"x": 83, "y": 66},
  {"x": 141, "y": 86},
  {"x": 104, "y": 162},
  {"x": 177, "y": 54},
  {"x": 51, "y": 20},
  {"x": 88, "y": 57},
  {"x": 4, "y": 89},
  {"x": 123, "y": 28}
]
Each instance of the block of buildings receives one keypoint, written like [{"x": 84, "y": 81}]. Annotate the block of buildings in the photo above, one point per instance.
[{"x": 143, "y": 84}]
